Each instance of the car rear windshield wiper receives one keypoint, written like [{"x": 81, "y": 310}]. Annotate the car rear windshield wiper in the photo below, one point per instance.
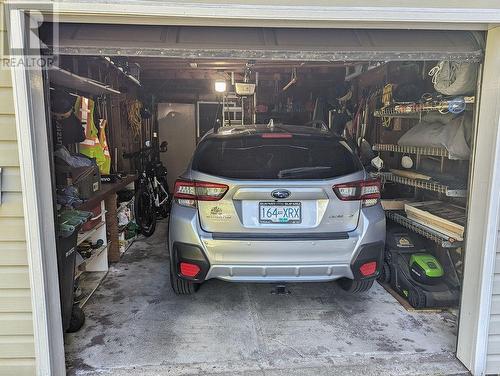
[{"x": 301, "y": 171}]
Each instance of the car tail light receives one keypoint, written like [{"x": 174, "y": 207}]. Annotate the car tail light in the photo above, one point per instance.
[
  {"x": 188, "y": 192},
  {"x": 368, "y": 269},
  {"x": 189, "y": 270},
  {"x": 368, "y": 191}
]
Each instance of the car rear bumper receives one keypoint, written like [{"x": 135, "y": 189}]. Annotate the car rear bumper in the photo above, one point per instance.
[
  {"x": 279, "y": 273},
  {"x": 279, "y": 257}
]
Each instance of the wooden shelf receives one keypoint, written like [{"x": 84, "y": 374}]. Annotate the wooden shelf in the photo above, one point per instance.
[
  {"x": 88, "y": 261},
  {"x": 89, "y": 282},
  {"x": 85, "y": 235},
  {"x": 458, "y": 190},
  {"x": 427, "y": 232},
  {"x": 106, "y": 190},
  {"x": 73, "y": 81}
]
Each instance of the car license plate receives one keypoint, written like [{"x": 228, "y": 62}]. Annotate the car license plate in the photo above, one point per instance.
[{"x": 280, "y": 212}]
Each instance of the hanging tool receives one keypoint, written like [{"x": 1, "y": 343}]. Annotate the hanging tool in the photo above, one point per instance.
[{"x": 293, "y": 80}]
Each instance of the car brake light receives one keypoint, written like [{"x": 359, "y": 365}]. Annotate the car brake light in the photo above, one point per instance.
[
  {"x": 368, "y": 191},
  {"x": 277, "y": 135},
  {"x": 188, "y": 192},
  {"x": 368, "y": 269},
  {"x": 189, "y": 270}
]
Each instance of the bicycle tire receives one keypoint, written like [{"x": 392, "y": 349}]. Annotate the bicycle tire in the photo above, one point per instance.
[{"x": 145, "y": 214}]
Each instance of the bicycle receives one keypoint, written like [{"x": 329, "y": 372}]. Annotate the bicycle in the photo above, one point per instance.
[{"x": 152, "y": 196}]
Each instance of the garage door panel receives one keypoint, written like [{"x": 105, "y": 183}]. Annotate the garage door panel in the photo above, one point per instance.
[
  {"x": 234, "y": 36},
  {"x": 111, "y": 32},
  {"x": 266, "y": 43},
  {"x": 315, "y": 38}
]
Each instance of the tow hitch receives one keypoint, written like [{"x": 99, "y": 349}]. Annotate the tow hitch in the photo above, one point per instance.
[{"x": 280, "y": 290}]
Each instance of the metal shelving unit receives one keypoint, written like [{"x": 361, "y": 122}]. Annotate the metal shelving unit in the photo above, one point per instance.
[
  {"x": 416, "y": 109},
  {"x": 68, "y": 79},
  {"x": 419, "y": 150},
  {"x": 459, "y": 190},
  {"x": 442, "y": 240}
]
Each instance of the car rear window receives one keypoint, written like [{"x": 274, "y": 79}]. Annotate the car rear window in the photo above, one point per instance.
[{"x": 254, "y": 157}]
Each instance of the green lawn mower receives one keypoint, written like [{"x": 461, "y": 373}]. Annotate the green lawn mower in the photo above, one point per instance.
[{"x": 414, "y": 272}]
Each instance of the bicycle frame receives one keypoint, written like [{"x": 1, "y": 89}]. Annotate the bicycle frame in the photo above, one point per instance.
[{"x": 145, "y": 160}]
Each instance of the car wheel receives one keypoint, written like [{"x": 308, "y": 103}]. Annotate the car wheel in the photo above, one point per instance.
[
  {"x": 354, "y": 286},
  {"x": 181, "y": 286},
  {"x": 385, "y": 273},
  {"x": 416, "y": 298}
]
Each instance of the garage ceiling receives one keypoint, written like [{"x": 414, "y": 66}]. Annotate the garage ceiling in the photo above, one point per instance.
[{"x": 265, "y": 43}]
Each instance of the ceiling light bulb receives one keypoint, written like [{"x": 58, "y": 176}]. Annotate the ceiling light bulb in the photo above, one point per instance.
[{"x": 220, "y": 86}]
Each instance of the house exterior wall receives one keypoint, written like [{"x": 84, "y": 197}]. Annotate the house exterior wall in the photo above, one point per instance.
[
  {"x": 493, "y": 349},
  {"x": 17, "y": 350}
]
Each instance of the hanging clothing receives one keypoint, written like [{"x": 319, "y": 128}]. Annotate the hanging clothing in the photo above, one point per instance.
[
  {"x": 91, "y": 146},
  {"x": 106, "y": 166},
  {"x": 67, "y": 128}
]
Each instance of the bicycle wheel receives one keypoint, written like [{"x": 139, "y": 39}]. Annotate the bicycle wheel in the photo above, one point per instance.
[
  {"x": 145, "y": 214},
  {"x": 164, "y": 209}
]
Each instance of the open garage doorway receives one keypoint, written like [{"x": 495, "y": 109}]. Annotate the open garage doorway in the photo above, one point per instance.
[{"x": 373, "y": 96}]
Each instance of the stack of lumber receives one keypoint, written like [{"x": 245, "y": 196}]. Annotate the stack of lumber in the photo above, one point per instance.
[
  {"x": 441, "y": 216},
  {"x": 393, "y": 204}
]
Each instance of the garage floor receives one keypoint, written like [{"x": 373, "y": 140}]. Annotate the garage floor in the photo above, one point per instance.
[{"x": 137, "y": 326}]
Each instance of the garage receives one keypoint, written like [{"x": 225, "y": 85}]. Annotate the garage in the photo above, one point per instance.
[{"x": 406, "y": 105}]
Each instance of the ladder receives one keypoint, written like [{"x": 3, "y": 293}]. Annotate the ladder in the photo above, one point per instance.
[{"x": 233, "y": 110}]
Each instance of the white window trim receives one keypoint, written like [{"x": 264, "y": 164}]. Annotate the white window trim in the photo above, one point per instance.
[
  {"x": 241, "y": 13},
  {"x": 483, "y": 218}
]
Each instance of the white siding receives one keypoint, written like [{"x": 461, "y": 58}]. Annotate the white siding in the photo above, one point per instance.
[
  {"x": 17, "y": 351},
  {"x": 493, "y": 359}
]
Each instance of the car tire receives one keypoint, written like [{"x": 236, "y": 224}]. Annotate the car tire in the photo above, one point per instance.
[
  {"x": 416, "y": 298},
  {"x": 385, "y": 273},
  {"x": 181, "y": 286},
  {"x": 354, "y": 286}
]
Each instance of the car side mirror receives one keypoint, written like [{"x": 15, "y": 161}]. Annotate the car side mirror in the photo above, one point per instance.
[{"x": 163, "y": 147}]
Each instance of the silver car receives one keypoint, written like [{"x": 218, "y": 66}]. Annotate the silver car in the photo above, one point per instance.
[{"x": 275, "y": 204}]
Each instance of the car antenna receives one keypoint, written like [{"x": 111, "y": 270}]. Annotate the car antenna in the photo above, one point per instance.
[{"x": 217, "y": 125}]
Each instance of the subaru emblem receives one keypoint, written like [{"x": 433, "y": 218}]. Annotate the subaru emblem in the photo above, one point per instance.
[{"x": 280, "y": 193}]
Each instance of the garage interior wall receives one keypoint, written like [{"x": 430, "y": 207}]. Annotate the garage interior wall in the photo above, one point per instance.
[{"x": 17, "y": 350}]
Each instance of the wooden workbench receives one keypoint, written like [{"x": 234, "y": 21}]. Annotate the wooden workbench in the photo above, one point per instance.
[{"x": 107, "y": 193}]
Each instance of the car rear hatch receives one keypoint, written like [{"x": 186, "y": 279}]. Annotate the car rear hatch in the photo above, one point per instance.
[{"x": 276, "y": 183}]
